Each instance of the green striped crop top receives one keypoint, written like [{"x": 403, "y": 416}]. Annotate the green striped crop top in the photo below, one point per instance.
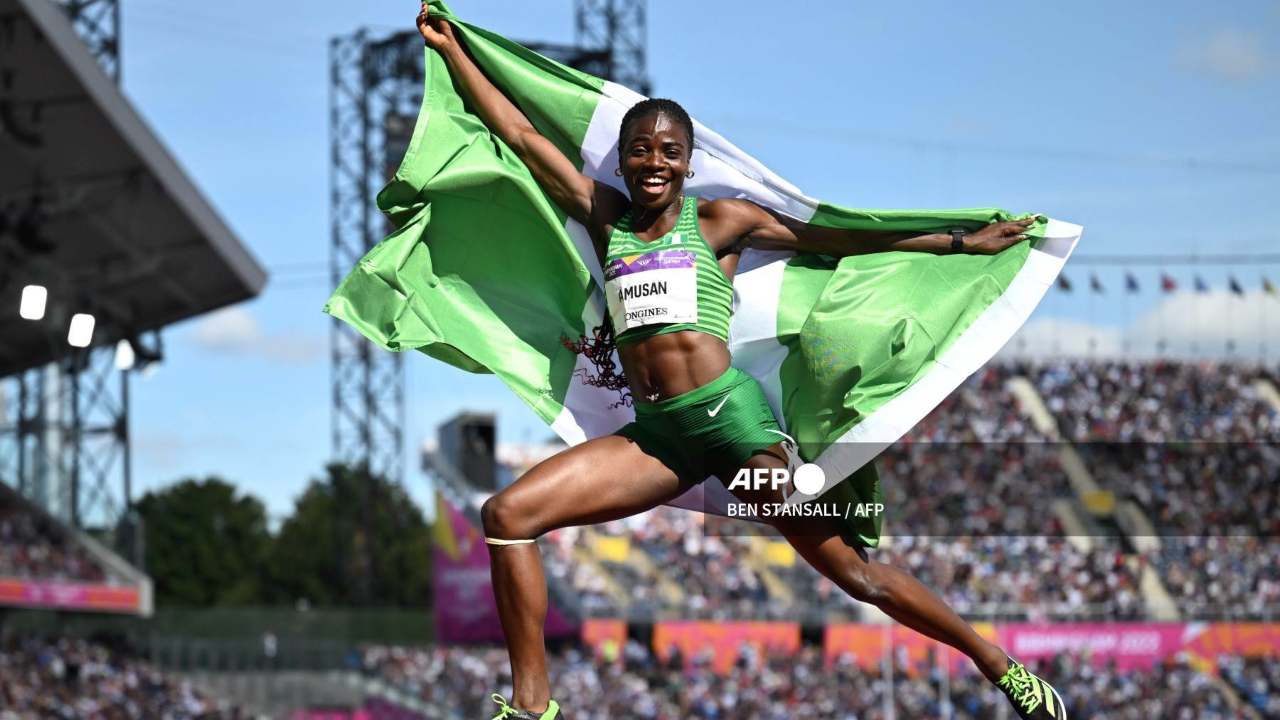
[{"x": 673, "y": 283}]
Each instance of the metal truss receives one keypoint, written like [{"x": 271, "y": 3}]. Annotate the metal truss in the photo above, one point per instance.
[
  {"x": 98, "y": 24},
  {"x": 372, "y": 86},
  {"x": 64, "y": 439},
  {"x": 64, "y": 427},
  {"x": 618, "y": 27},
  {"x": 374, "y": 94}
]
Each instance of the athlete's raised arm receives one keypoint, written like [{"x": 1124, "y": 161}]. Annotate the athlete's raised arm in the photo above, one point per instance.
[
  {"x": 745, "y": 223},
  {"x": 575, "y": 193}
]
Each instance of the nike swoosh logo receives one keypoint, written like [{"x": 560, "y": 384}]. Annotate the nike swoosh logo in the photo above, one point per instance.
[{"x": 716, "y": 409}]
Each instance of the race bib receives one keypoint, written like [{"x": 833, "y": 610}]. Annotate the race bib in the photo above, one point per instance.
[{"x": 654, "y": 287}]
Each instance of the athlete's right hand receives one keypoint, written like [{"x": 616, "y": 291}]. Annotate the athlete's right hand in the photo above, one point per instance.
[{"x": 436, "y": 31}]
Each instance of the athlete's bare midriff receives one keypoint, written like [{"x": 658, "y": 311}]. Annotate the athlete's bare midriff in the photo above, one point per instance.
[{"x": 664, "y": 366}]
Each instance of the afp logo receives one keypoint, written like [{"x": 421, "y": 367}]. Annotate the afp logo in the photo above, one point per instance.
[{"x": 807, "y": 478}]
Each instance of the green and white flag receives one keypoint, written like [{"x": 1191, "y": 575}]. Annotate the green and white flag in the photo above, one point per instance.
[{"x": 485, "y": 273}]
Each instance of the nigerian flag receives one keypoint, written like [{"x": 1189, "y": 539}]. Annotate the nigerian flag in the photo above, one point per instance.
[{"x": 486, "y": 274}]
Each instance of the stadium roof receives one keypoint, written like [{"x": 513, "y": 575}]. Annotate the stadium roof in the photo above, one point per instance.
[{"x": 92, "y": 205}]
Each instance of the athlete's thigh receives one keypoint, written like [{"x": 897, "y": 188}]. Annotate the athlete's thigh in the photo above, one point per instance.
[
  {"x": 766, "y": 458},
  {"x": 602, "y": 479}
]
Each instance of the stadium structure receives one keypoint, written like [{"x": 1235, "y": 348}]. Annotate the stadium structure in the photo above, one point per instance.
[{"x": 104, "y": 241}]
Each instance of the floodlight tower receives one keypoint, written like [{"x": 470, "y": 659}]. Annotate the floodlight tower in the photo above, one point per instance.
[{"x": 66, "y": 444}]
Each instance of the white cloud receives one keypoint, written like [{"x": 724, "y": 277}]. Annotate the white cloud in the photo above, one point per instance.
[
  {"x": 1198, "y": 324},
  {"x": 234, "y": 331},
  {"x": 1227, "y": 53},
  {"x": 1217, "y": 324},
  {"x": 1047, "y": 338}
]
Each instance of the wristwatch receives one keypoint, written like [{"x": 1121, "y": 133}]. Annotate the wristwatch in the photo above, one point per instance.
[{"x": 957, "y": 240}]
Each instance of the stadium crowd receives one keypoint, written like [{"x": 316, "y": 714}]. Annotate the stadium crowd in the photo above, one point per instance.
[
  {"x": 1222, "y": 577},
  {"x": 32, "y": 547},
  {"x": 72, "y": 679},
  {"x": 1200, "y": 489},
  {"x": 1257, "y": 681},
  {"x": 633, "y": 682},
  {"x": 1155, "y": 401},
  {"x": 560, "y": 564}
]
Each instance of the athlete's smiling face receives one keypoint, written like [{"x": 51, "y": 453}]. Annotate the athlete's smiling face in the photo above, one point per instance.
[{"x": 654, "y": 159}]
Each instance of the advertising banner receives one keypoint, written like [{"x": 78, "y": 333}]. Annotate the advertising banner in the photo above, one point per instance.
[
  {"x": 723, "y": 641},
  {"x": 60, "y": 595},
  {"x": 605, "y": 638},
  {"x": 1130, "y": 646},
  {"x": 865, "y": 646},
  {"x": 1139, "y": 646},
  {"x": 465, "y": 608}
]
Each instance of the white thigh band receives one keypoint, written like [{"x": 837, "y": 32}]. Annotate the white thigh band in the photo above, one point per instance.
[{"x": 497, "y": 541}]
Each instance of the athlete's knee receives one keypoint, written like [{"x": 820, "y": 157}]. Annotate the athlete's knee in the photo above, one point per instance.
[{"x": 504, "y": 518}]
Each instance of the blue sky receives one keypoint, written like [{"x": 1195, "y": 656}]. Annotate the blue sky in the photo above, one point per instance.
[{"x": 1152, "y": 124}]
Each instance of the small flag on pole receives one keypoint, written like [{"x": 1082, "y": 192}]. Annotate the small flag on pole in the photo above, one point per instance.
[
  {"x": 1201, "y": 285},
  {"x": 1130, "y": 282},
  {"x": 1095, "y": 284},
  {"x": 1167, "y": 284},
  {"x": 1235, "y": 285},
  {"x": 1063, "y": 283}
]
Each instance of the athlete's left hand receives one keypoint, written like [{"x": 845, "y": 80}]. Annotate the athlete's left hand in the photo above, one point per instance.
[{"x": 998, "y": 236}]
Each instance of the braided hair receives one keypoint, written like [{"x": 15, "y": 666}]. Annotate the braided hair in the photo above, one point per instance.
[{"x": 598, "y": 349}]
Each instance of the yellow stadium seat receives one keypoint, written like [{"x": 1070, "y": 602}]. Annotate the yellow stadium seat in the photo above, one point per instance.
[
  {"x": 780, "y": 554},
  {"x": 613, "y": 549}
]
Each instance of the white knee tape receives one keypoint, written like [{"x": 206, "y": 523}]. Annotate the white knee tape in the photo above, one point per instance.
[{"x": 498, "y": 541}]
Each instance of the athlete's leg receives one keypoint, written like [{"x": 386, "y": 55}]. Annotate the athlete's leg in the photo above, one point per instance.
[
  {"x": 600, "y": 480},
  {"x": 898, "y": 594}
]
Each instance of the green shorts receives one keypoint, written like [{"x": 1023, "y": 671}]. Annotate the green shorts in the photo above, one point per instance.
[
  {"x": 716, "y": 428},
  {"x": 713, "y": 428}
]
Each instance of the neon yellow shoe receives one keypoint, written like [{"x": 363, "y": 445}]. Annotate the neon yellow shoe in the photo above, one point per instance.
[
  {"x": 506, "y": 712},
  {"x": 1032, "y": 698}
]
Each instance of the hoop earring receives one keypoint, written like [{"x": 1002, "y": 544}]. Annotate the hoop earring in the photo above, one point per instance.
[
  {"x": 617, "y": 171},
  {"x": 689, "y": 174}
]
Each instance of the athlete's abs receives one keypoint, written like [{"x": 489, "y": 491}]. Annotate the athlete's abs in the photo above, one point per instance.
[{"x": 664, "y": 366}]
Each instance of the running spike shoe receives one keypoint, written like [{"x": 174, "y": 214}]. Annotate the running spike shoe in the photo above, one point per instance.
[
  {"x": 1032, "y": 698},
  {"x": 506, "y": 712}
]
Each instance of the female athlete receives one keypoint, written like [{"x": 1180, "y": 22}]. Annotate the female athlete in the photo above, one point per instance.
[{"x": 669, "y": 260}]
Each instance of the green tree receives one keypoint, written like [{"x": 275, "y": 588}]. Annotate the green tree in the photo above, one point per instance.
[
  {"x": 353, "y": 539},
  {"x": 205, "y": 545}
]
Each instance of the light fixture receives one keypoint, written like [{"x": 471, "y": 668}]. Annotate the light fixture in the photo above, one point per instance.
[
  {"x": 80, "y": 334},
  {"x": 34, "y": 298},
  {"x": 124, "y": 355}
]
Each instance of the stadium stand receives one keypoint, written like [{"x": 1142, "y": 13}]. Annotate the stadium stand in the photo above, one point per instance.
[
  {"x": 1257, "y": 680},
  {"x": 68, "y": 679},
  {"x": 32, "y": 546},
  {"x": 779, "y": 687}
]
